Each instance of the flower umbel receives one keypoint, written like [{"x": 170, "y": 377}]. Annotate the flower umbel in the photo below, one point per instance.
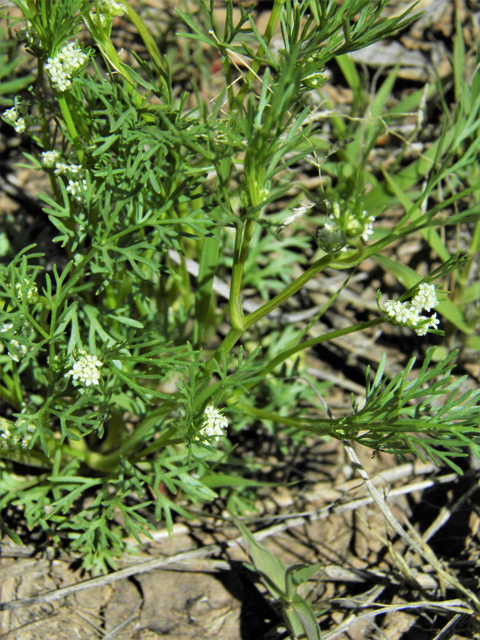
[
  {"x": 214, "y": 425},
  {"x": 5, "y": 433},
  {"x": 16, "y": 350},
  {"x": 425, "y": 298},
  {"x": 108, "y": 10},
  {"x": 344, "y": 224},
  {"x": 77, "y": 188},
  {"x": 64, "y": 65},
  {"x": 49, "y": 158},
  {"x": 17, "y": 116},
  {"x": 85, "y": 370},
  {"x": 408, "y": 314}
]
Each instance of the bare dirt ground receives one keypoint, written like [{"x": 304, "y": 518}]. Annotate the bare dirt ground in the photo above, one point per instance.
[{"x": 370, "y": 584}]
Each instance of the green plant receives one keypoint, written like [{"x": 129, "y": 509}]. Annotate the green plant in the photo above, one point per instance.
[
  {"x": 111, "y": 393},
  {"x": 284, "y": 584}
]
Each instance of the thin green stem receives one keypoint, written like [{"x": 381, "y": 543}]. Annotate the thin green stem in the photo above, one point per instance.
[
  {"x": 267, "y": 36},
  {"x": 43, "y": 124},
  {"x": 10, "y": 392},
  {"x": 288, "y": 353},
  {"x": 287, "y": 293},
  {"x": 228, "y": 77},
  {"x": 234, "y": 302},
  {"x": 76, "y": 274},
  {"x": 67, "y": 116},
  {"x": 235, "y": 333},
  {"x": 319, "y": 427}
]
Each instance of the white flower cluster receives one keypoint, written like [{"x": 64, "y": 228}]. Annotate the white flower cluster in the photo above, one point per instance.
[
  {"x": 5, "y": 433},
  {"x": 77, "y": 188},
  {"x": 13, "y": 117},
  {"x": 408, "y": 314},
  {"x": 214, "y": 425},
  {"x": 85, "y": 369},
  {"x": 16, "y": 350},
  {"x": 64, "y": 65},
  {"x": 10, "y": 439},
  {"x": 342, "y": 226},
  {"x": 49, "y": 158},
  {"x": 108, "y": 10},
  {"x": 70, "y": 169}
]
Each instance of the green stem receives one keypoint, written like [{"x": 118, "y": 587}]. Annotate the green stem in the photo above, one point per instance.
[
  {"x": 148, "y": 39},
  {"x": 234, "y": 334},
  {"x": 67, "y": 116},
  {"x": 287, "y": 293},
  {"x": 288, "y": 353},
  {"x": 267, "y": 36},
  {"x": 43, "y": 124},
  {"x": 157, "y": 444},
  {"x": 319, "y": 427},
  {"x": 228, "y": 78},
  {"x": 232, "y": 337},
  {"x": 140, "y": 433},
  {"x": 16, "y": 384},
  {"x": 76, "y": 274},
  {"x": 9, "y": 392},
  {"x": 234, "y": 303},
  {"x": 94, "y": 460},
  {"x": 106, "y": 47}
]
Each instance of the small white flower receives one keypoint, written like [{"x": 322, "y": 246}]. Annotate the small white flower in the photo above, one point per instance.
[
  {"x": 60, "y": 167},
  {"x": 408, "y": 314},
  {"x": 75, "y": 169},
  {"x": 13, "y": 117},
  {"x": 20, "y": 125},
  {"x": 10, "y": 115},
  {"x": 425, "y": 298},
  {"x": 77, "y": 189},
  {"x": 5, "y": 434},
  {"x": 64, "y": 65},
  {"x": 4, "y": 429},
  {"x": 214, "y": 425},
  {"x": 29, "y": 36},
  {"x": 49, "y": 158},
  {"x": 342, "y": 226},
  {"x": 16, "y": 351},
  {"x": 101, "y": 16},
  {"x": 422, "y": 331},
  {"x": 85, "y": 369},
  {"x": 368, "y": 229},
  {"x": 434, "y": 321}
]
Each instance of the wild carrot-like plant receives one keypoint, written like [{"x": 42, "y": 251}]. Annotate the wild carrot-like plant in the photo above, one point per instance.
[{"x": 120, "y": 390}]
